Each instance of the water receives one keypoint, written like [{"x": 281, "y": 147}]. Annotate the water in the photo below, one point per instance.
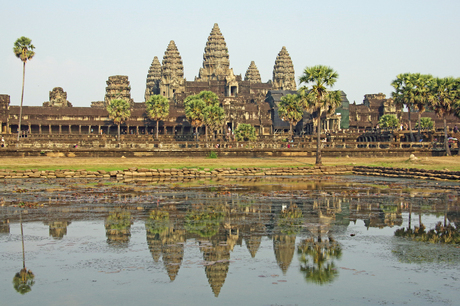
[{"x": 282, "y": 241}]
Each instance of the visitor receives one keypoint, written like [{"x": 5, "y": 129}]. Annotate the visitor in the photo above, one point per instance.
[
  {"x": 3, "y": 142},
  {"x": 455, "y": 129}
]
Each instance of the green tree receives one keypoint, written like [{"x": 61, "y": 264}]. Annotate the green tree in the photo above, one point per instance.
[
  {"x": 318, "y": 98},
  {"x": 290, "y": 110},
  {"x": 245, "y": 132},
  {"x": 157, "y": 109},
  {"x": 194, "y": 107},
  {"x": 426, "y": 123},
  {"x": 405, "y": 95},
  {"x": 211, "y": 99},
  {"x": 443, "y": 98},
  {"x": 119, "y": 111},
  {"x": 388, "y": 121},
  {"x": 422, "y": 94},
  {"x": 213, "y": 117},
  {"x": 23, "y": 49}
]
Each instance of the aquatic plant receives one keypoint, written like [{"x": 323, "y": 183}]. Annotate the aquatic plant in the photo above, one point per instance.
[
  {"x": 290, "y": 221},
  {"x": 157, "y": 222},
  {"x": 448, "y": 234},
  {"x": 203, "y": 223}
]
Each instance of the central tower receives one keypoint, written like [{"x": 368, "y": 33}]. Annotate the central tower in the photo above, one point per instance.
[{"x": 216, "y": 63}]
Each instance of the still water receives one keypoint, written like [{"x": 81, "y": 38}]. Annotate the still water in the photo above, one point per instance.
[{"x": 283, "y": 241}]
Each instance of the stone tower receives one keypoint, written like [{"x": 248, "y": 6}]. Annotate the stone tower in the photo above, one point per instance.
[
  {"x": 58, "y": 98},
  {"x": 283, "y": 72},
  {"x": 252, "y": 74},
  {"x": 118, "y": 88},
  {"x": 216, "y": 63},
  {"x": 153, "y": 79},
  {"x": 172, "y": 72}
]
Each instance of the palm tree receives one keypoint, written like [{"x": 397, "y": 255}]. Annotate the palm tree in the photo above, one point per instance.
[
  {"x": 210, "y": 99},
  {"x": 23, "y": 49},
  {"x": 119, "y": 111},
  {"x": 422, "y": 94},
  {"x": 388, "y": 120},
  {"x": 318, "y": 98},
  {"x": 213, "y": 117},
  {"x": 443, "y": 98},
  {"x": 194, "y": 112},
  {"x": 404, "y": 95},
  {"x": 290, "y": 110},
  {"x": 157, "y": 109}
]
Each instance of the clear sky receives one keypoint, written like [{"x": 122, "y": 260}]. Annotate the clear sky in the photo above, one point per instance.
[{"x": 80, "y": 43}]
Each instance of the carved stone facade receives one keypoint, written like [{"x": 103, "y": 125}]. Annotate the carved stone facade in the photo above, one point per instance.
[
  {"x": 252, "y": 74},
  {"x": 118, "y": 88},
  {"x": 216, "y": 63},
  {"x": 153, "y": 79},
  {"x": 283, "y": 72},
  {"x": 58, "y": 98},
  {"x": 172, "y": 72}
]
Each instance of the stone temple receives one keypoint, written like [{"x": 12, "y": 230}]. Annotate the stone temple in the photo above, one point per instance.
[{"x": 245, "y": 100}]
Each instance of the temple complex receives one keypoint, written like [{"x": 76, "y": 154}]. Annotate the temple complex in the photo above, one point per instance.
[{"x": 245, "y": 100}]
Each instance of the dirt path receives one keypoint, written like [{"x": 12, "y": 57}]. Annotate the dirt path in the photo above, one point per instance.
[{"x": 51, "y": 163}]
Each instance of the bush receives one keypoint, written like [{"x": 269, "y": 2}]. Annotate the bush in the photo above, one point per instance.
[{"x": 212, "y": 154}]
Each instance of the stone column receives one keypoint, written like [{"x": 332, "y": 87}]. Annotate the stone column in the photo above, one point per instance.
[
  {"x": 70, "y": 129},
  {"x": 137, "y": 130},
  {"x": 79, "y": 129},
  {"x": 99, "y": 130},
  {"x": 49, "y": 129},
  {"x": 39, "y": 128},
  {"x": 60, "y": 129}
]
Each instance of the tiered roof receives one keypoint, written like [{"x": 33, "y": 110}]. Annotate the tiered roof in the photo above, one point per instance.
[
  {"x": 153, "y": 79},
  {"x": 283, "y": 72},
  {"x": 252, "y": 74},
  {"x": 172, "y": 66}
]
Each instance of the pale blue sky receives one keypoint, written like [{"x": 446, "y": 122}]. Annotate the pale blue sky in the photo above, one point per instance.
[{"x": 79, "y": 44}]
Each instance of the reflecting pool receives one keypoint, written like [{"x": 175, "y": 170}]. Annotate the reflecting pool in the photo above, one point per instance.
[{"x": 231, "y": 241}]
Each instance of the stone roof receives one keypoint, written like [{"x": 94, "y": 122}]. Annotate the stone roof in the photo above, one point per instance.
[
  {"x": 153, "y": 79},
  {"x": 283, "y": 72},
  {"x": 252, "y": 74},
  {"x": 216, "y": 63},
  {"x": 172, "y": 66}
]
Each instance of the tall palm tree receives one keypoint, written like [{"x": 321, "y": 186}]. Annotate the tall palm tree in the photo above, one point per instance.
[
  {"x": 23, "y": 49},
  {"x": 290, "y": 110},
  {"x": 404, "y": 95},
  {"x": 210, "y": 99},
  {"x": 119, "y": 111},
  {"x": 157, "y": 109},
  {"x": 213, "y": 117},
  {"x": 443, "y": 98},
  {"x": 422, "y": 95},
  {"x": 318, "y": 98},
  {"x": 194, "y": 112}
]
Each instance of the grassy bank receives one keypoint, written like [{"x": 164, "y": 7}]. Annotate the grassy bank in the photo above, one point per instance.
[{"x": 109, "y": 164}]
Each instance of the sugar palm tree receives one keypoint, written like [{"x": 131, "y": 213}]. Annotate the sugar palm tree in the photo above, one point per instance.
[
  {"x": 119, "y": 111},
  {"x": 404, "y": 95},
  {"x": 422, "y": 94},
  {"x": 318, "y": 98},
  {"x": 443, "y": 98},
  {"x": 157, "y": 109},
  {"x": 290, "y": 110},
  {"x": 23, "y": 49},
  {"x": 194, "y": 112},
  {"x": 213, "y": 117},
  {"x": 211, "y": 99}
]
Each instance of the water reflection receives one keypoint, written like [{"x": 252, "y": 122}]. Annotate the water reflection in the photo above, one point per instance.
[
  {"x": 300, "y": 217},
  {"x": 24, "y": 279}
]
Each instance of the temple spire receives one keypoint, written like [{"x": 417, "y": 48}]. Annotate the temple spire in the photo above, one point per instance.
[
  {"x": 283, "y": 72},
  {"x": 172, "y": 72},
  {"x": 153, "y": 79},
  {"x": 252, "y": 74},
  {"x": 216, "y": 63}
]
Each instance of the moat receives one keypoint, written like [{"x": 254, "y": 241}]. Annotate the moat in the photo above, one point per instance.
[{"x": 324, "y": 240}]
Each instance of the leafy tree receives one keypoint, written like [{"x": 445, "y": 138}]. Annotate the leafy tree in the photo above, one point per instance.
[
  {"x": 23, "y": 49},
  {"x": 443, "y": 98},
  {"x": 245, "y": 132},
  {"x": 157, "y": 109},
  {"x": 405, "y": 95},
  {"x": 290, "y": 110},
  {"x": 388, "y": 121},
  {"x": 213, "y": 117},
  {"x": 23, "y": 281},
  {"x": 425, "y": 123},
  {"x": 119, "y": 111},
  {"x": 318, "y": 98},
  {"x": 422, "y": 95},
  {"x": 208, "y": 97},
  {"x": 194, "y": 107}
]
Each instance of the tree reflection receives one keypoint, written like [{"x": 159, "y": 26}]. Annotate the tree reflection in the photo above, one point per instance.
[
  {"x": 317, "y": 260},
  {"x": 204, "y": 222},
  {"x": 118, "y": 227},
  {"x": 24, "y": 279}
]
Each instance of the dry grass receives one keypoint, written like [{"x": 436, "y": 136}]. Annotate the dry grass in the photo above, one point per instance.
[{"x": 52, "y": 163}]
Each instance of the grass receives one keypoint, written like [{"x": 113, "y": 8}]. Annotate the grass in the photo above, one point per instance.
[{"x": 109, "y": 164}]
